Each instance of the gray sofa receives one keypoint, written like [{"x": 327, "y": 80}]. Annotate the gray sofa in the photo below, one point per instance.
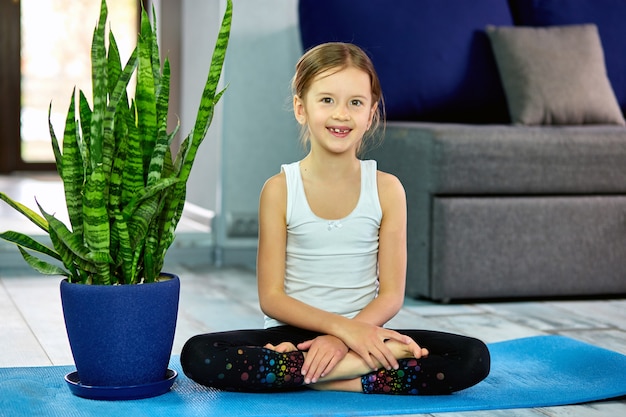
[{"x": 498, "y": 211}]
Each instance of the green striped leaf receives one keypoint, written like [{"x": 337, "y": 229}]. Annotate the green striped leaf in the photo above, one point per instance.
[
  {"x": 169, "y": 170},
  {"x": 99, "y": 80},
  {"x": 151, "y": 260},
  {"x": 73, "y": 169},
  {"x": 209, "y": 96},
  {"x": 172, "y": 211},
  {"x": 139, "y": 221},
  {"x": 168, "y": 164},
  {"x": 74, "y": 264},
  {"x": 96, "y": 222},
  {"x": 145, "y": 92},
  {"x": 182, "y": 155},
  {"x": 141, "y": 213},
  {"x": 85, "y": 113},
  {"x": 119, "y": 117},
  {"x": 41, "y": 266},
  {"x": 119, "y": 161},
  {"x": 158, "y": 157},
  {"x": 55, "y": 143},
  {"x": 133, "y": 180},
  {"x": 119, "y": 90},
  {"x": 205, "y": 112},
  {"x": 28, "y": 242},
  {"x": 155, "y": 58},
  {"x": 26, "y": 211},
  {"x": 148, "y": 193},
  {"x": 115, "y": 104},
  {"x": 168, "y": 228},
  {"x": 124, "y": 260},
  {"x": 114, "y": 63},
  {"x": 163, "y": 140},
  {"x": 69, "y": 246},
  {"x": 173, "y": 208}
]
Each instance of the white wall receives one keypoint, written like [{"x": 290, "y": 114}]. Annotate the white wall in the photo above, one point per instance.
[{"x": 253, "y": 130}]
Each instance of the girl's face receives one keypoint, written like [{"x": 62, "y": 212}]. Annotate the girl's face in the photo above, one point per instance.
[{"x": 338, "y": 110}]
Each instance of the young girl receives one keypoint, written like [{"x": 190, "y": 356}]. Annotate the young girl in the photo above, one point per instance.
[{"x": 331, "y": 262}]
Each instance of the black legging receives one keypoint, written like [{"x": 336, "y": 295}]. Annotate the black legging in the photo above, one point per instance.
[{"x": 236, "y": 361}]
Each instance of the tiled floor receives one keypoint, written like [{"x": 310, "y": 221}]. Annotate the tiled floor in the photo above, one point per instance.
[{"x": 32, "y": 332}]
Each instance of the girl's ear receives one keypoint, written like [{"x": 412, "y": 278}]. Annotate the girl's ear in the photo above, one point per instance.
[
  {"x": 298, "y": 110},
  {"x": 372, "y": 113}
]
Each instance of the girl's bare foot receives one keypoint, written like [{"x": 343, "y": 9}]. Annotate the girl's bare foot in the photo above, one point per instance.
[
  {"x": 404, "y": 351},
  {"x": 283, "y": 347}
]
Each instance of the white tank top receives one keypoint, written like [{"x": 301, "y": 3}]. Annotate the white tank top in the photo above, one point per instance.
[{"x": 332, "y": 264}]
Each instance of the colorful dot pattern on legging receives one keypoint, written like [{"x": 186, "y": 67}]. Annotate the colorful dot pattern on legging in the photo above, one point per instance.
[
  {"x": 263, "y": 368},
  {"x": 409, "y": 379}
]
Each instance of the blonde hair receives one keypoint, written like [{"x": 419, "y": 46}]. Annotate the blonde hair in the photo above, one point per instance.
[{"x": 339, "y": 55}]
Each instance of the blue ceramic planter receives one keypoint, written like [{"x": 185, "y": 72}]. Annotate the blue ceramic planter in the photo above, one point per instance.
[{"x": 121, "y": 335}]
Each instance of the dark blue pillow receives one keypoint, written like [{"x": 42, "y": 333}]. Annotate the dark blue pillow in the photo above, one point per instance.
[
  {"x": 432, "y": 56},
  {"x": 608, "y": 15}
]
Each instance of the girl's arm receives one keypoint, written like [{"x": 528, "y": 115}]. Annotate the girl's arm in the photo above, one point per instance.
[{"x": 391, "y": 253}]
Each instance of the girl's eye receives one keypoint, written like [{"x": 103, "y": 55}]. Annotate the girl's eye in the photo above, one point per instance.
[
  {"x": 357, "y": 103},
  {"x": 327, "y": 100}
]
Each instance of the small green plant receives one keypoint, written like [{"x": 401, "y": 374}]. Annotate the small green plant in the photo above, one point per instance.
[{"x": 124, "y": 189}]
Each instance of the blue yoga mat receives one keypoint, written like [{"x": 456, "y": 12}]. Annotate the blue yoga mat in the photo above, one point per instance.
[{"x": 531, "y": 372}]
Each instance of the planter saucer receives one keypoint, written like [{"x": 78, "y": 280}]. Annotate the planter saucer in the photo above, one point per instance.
[{"x": 134, "y": 392}]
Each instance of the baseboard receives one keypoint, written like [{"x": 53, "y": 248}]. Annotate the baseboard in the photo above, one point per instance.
[{"x": 236, "y": 256}]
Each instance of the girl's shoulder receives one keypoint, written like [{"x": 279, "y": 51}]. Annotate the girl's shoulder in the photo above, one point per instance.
[
  {"x": 390, "y": 189},
  {"x": 273, "y": 197},
  {"x": 275, "y": 183},
  {"x": 386, "y": 179}
]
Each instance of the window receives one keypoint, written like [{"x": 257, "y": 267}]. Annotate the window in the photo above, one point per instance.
[{"x": 46, "y": 48}]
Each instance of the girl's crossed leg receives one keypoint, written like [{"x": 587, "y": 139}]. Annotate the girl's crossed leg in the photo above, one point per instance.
[{"x": 236, "y": 361}]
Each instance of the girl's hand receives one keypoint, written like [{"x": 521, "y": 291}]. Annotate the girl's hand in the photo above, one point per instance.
[
  {"x": 283, "y": 347},
  {"x": 323, "y": 353},
  {"x": 368, "y": 341}
]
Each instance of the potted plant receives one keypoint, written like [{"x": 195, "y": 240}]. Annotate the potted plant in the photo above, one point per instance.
[{"x": 125, "y": 191}]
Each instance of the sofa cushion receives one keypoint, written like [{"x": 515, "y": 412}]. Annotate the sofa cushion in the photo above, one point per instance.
[
  {"x": 432, "y": 56},
  {"x": 458, "y": 159},
  {"x": 608, "y": 15},
  {"x": 527, "y": 246},
  {"x": 554, "y": 75}
]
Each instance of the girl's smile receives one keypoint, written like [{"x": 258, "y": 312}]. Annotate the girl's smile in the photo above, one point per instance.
[{"x": 340, "y": 132}]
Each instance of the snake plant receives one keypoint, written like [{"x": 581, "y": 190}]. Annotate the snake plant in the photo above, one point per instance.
[{"x": 124, "y": 188}]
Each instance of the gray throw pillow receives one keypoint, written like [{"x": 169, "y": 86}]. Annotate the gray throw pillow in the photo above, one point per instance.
[{"x": 554, "y": 75}]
